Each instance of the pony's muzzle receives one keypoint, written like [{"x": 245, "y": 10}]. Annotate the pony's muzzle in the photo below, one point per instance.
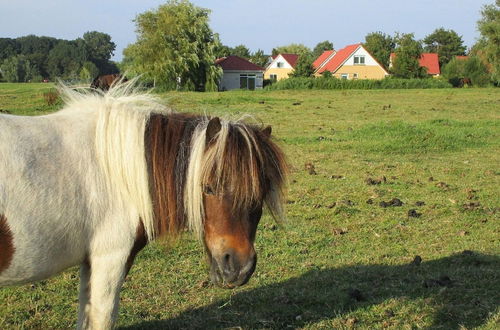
[{"x": 231, "y": 270}]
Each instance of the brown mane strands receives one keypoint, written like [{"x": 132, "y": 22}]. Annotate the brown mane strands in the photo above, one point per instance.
[{"x": 167, "y": 141}]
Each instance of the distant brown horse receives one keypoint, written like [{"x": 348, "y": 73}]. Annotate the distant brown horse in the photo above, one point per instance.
[{"x": 104, "y": 82}]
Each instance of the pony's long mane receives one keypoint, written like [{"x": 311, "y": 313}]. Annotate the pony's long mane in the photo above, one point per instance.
[
  {"x": 158, "y": 161},
  {"x": 122, "y": 114}
]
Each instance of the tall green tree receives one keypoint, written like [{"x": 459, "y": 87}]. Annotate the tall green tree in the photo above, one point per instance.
[
  {"x": 37, "y": 49},
  {"x": 241, "y": 51},
  {"x": 303, "y": 67},
  {"x": 175, "y": 47},
  {"x": 259, "y": 58},
  {"x": 446, "y": 43},
  {"x": 99, "y": 49},
  {"x": 8, "y": 48},
  {"x": 380, "y": 45},
  {"x": 321, "y": 47},
  {"x": 298, "y": 49},
  {"x": 13, "y": 68},
  {"x": 65, "y": 60},
  {"x": 489, "y": 45},
  {"x": 99, "y": 45},
  {"x": 407, "y": 55}
]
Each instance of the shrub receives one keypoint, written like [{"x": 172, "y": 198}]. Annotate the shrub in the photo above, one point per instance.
[
  {"x": 326, "y": 82},
  {"x": 51, "y": 97}
]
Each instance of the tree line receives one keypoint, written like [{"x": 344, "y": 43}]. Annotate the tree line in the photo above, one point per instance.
[
  {"x": 33, "y": 58},
  {"x": 176, "y": 49}
]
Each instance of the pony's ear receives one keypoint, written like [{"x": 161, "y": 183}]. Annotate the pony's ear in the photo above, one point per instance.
[
  {"x": 267, "y": 131},
  {"x": 213, "y": 128}
]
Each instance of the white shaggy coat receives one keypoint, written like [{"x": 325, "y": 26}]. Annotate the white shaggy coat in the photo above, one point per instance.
[{"x": 74, "y": 188}]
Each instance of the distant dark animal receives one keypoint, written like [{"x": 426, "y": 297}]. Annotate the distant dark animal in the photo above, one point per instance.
[
  {"x": 104, "y": 82},
  {"x": 465, "y": 82}
]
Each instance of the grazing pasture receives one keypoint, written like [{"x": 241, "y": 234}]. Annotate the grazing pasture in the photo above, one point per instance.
[{"x": 393, "y": 220}]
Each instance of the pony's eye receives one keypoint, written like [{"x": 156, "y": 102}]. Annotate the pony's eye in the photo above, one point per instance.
[{"x": 208, "y": 190}]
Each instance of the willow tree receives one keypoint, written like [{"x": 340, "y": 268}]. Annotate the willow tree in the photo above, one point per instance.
[
  {"x": 174, "y": 48},
  {"x": 488, "y": 46}
]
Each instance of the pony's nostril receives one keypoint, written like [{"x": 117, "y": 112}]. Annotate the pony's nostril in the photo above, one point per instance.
[{"x": 228, "y": 263}]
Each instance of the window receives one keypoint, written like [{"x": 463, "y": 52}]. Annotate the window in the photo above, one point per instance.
[
  {"x": 247, "y": 81},
  {"x": 354, "y": 76},
  {"x": 280, "y": 64},
  {"x": 273, "y": 77},
  {"x": 359, "y": 60},
  {"x": 344, "y": 76}
]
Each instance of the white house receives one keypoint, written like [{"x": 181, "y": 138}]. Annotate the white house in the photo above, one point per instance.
[{"x": 239, "y": 73}]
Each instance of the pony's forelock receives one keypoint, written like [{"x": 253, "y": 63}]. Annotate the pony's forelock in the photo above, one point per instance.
[{"x": 240, "y": 161}]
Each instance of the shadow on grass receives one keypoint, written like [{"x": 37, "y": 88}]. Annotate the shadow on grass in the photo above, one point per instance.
[{"x": 461, "y": 290}]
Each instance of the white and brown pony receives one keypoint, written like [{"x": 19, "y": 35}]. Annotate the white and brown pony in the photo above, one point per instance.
[{"x": 92, "y": 184}]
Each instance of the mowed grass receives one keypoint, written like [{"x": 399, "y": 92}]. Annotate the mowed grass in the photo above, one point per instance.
[
  {"x": 342, "y": 260},
  {"x": 26, "y": 99}
]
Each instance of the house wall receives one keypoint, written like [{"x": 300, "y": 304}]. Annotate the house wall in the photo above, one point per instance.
[
  {"x": 231, "y": 79},
  {"x": 281, "y": 73},
  {"x": 363, "y": 71}
]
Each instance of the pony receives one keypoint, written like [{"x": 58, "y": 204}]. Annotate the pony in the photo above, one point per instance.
[
  {"x": 104, "y": 82},
  {"x": 93, "y": 183}
]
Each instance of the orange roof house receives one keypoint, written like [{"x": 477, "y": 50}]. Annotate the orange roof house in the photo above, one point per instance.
[
  {"x": 430, "y": 61},
  {"x": 350, "y": 62},
  {"x": 281, "y": 66}
]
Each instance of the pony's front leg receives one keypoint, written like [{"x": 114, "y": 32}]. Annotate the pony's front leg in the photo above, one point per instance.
[
  {"x": 107, "y": 273},
  {"x": 84, "y": 297}
]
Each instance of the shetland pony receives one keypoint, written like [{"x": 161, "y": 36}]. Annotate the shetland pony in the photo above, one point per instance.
[{"x": 92, "y": 184}]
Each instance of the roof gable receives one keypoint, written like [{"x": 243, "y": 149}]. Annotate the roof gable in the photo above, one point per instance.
[
  {"x": 236, "y": 63},
  {"x": 291, "y": 59},
  {"x": 339, "y": 58}
]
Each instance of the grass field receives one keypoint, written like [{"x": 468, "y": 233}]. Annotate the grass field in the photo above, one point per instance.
[{"x": 347, "y": 256}]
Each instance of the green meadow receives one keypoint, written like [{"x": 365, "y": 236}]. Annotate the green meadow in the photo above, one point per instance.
[{"x": 393, "y": 220}]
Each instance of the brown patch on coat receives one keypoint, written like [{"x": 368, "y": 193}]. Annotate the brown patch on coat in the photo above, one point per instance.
[
  {"x": 6, "y": 244},
  {"x": 140, "y": 242}
]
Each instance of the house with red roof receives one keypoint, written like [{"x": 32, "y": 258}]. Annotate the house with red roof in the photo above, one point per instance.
[
  {"x": 430, "y": 61},
  {"x": 281, "y": 66},
  {"x": 239, "y": 73},
  {"x": 350, "y": 62}
]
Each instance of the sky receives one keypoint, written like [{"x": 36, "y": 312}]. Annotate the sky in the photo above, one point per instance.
[{"x": 257, "y": 24}]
